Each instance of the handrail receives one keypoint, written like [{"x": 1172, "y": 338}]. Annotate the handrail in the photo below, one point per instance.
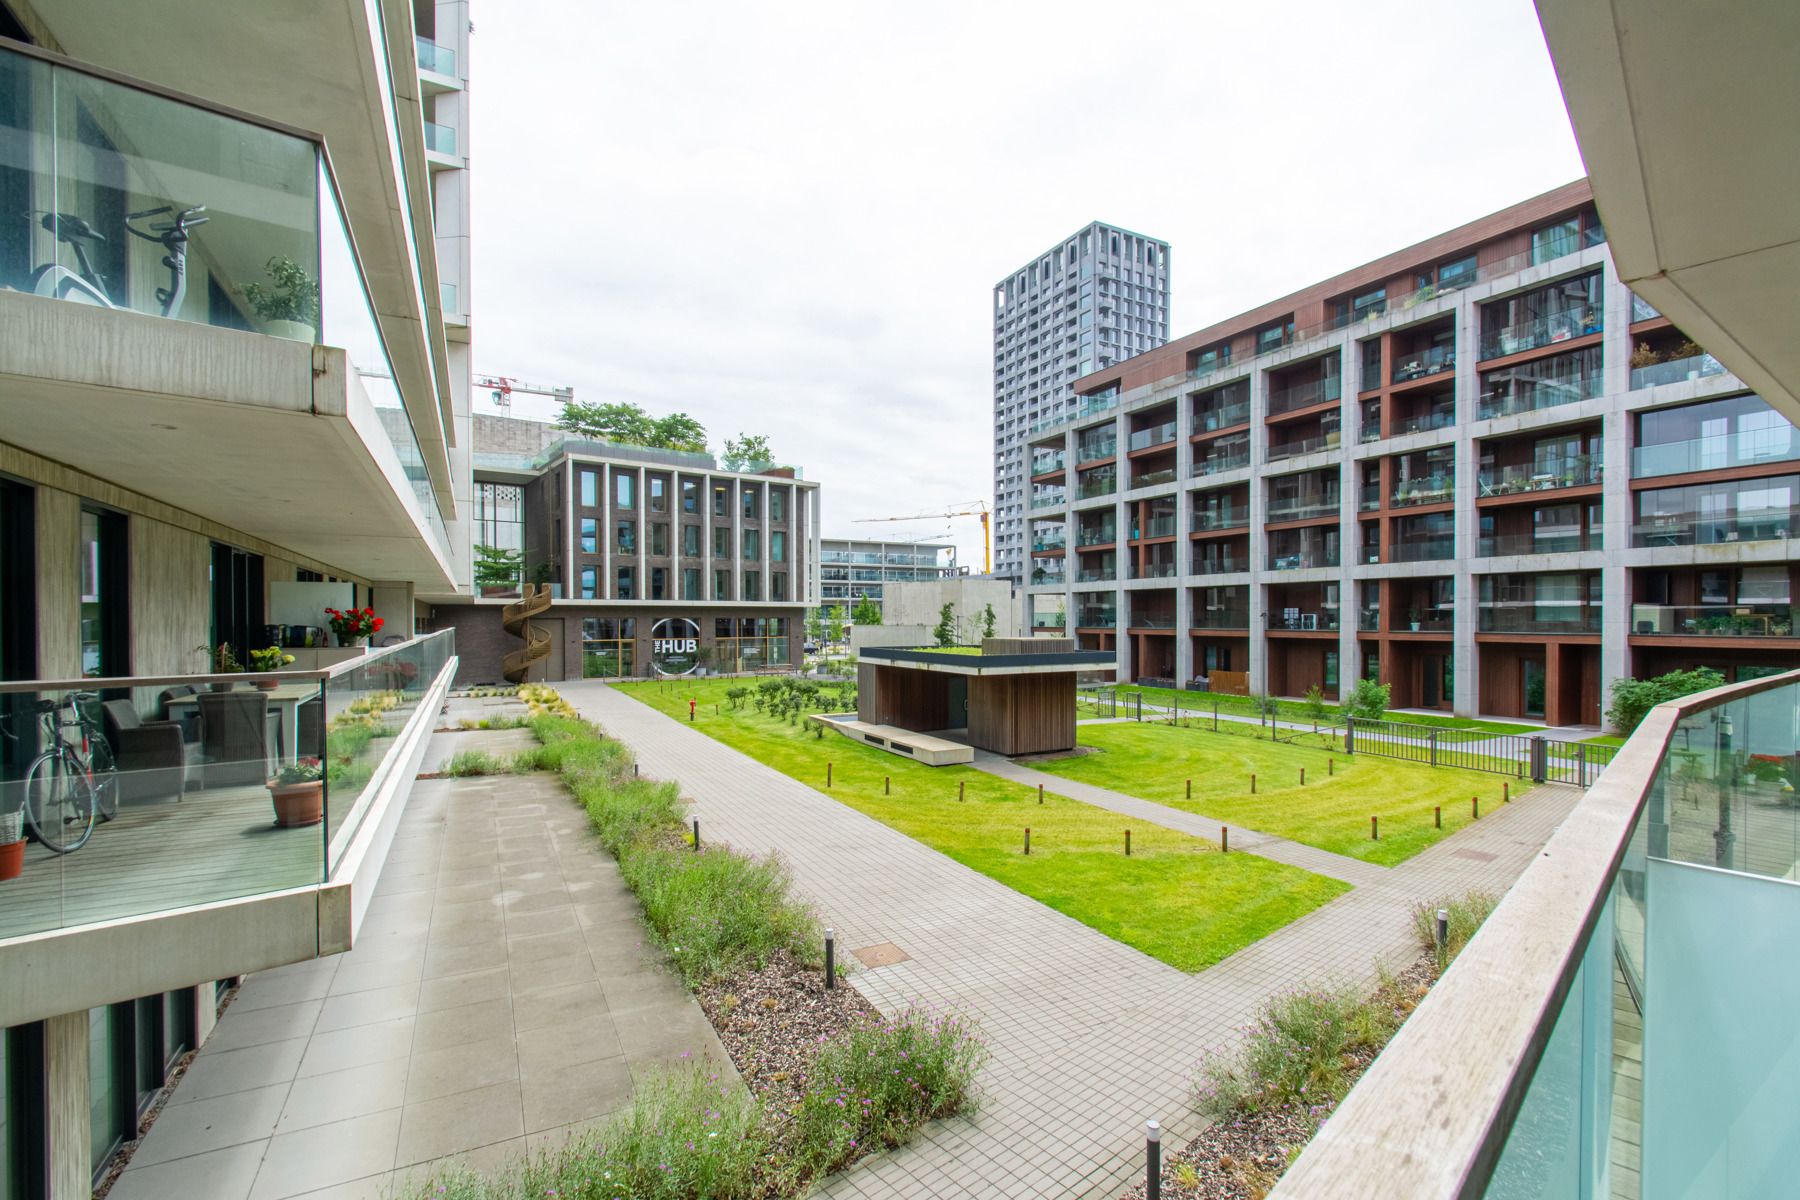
[
  {"x": 1432, "y": 1114},
  {"x": 94, "y": 684}
]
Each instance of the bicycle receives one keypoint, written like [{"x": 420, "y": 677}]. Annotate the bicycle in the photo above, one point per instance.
[{"x": 67, "y": 791}]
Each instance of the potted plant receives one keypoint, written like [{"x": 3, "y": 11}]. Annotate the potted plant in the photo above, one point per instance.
[
  {"x": 354, "y": 626},
  {"x": 270, "y": 658},
  {"x": 12, "y": 843},
  {"x": 1412, "y": 617},
  {"x": 289, "y": 308},
  {"x": 222, "y": 660},
  {"x": 298, "y": 793}
]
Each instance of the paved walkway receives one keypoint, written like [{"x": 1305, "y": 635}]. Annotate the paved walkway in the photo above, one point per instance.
[
  {"x": 1090, "y": 1037},
  {"x": 500, "y": 995}
]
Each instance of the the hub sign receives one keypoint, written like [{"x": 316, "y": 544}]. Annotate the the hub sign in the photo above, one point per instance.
[{"x": 675, "y": 646}]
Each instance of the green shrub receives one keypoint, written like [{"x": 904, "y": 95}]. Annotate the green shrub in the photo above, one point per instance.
[
  {"x": 718, "y": 911},
  {"x": 875, "y": 1085},
  {"x": 1467, "y": 912},
  {"x": 1367, "y": 700},
  {"x": 475, "y": 762},
  {"x": 1295, "y": 1051},
  {"x": 1315, "y": 704},
  {"x": 1632, "y": 699}
]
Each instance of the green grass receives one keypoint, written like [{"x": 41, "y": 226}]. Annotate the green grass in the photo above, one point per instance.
[
  {"x": 1176, "y": 898},
  {"x": 1331, "y": 811},
  {"x": 1605, "y": 739},
  {"x": 1295, "y": 710}
]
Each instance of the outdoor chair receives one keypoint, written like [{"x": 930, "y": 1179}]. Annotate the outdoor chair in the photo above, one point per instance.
[
  {"x": 151, "y": 755},
  {"x": 234, "y": 737},
  {"x": 187, "y": 716}
]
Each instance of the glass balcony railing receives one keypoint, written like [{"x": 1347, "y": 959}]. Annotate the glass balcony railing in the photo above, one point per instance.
[
  {"x": 1423, "y": 550},
  {"x": 1541, "y": 331},
  {"x": 1751, "y": 619},
  {"x": 440, "y": 139},
  {"x": 1045, "y": 464},
  {"x": 1092, "y": 450},
  {"x": 1209, "y": 365},
  {"x": 1056, "y": 499},
  {"x": 1297, "y": 620},
  {"x": 1641, "y": 309},
  {"x": 1096, "y": 618},
  {"x": 1428, "y": 620},
  {"x": 1435, "y": 489},
  {"x": 1155, "y": 527},
  {"x": 1707, "y": 529},
  {"x": 1048, "y": 545},
  {"x": 1158, "y": 435},
  {"x": 1368, "y": 620},
  {"x": 1537, "y": 617},
  {"x": 1745, "y": 448},
  {"x": 1218, "y": 463},
  {"x": 1305, "y": 445},
  {"x": 1441, "y": 416},
  {"x": 439, "y": 60},
  {"x": 1540, "y": 384},
  {"x": 1303, "y": 559},
  {"x": 1154, "y": 570},
  {"x": 1146, "y": 479},
  {"x": 1096, "y": 575},
  {"x": 1153, "y": 620},
  {"x": 1303, "y": 507},
  {"x": 1221, "y": 618},
  {"x": 1578, "y": 470},
  {"x": 447, "y": 298},
  {"x": 1305, "y": 395},
  {"x": 1050, "y": 620},
  {"x": 1501, "y": 545},
  {"x": 1105, "y": 536},
  {"x": 1368, "y": 497},
  {"x": 1220, "y": 564},
  {"x": 153, "y": 742},
  {"x": 1043, "y": 577},
  {"x": 1698, "y": 366},
  {"x": 1223, "y": 417},
  {"x": 1434, "y": 360},
  {"x": 1208, "y": 519},
  {"x": 1098, "y": 485}
]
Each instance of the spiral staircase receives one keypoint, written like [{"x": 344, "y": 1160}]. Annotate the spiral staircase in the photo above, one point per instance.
[{"x": 516, "y": 619}]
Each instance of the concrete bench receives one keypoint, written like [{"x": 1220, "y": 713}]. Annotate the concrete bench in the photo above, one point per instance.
[{"x": 907, "y": 743}]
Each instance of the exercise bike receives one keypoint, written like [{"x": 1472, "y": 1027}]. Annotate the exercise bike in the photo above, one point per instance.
[{"x": 85, "y": 284}]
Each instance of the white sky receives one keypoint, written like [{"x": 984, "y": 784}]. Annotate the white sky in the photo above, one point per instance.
[{"x": 788, "y": 218}]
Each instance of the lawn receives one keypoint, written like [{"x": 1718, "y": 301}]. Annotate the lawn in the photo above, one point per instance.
[
  {"x": 1296, "y": 710},
  {"x": 1176, "y": 898},
  {"x": 1330, "y": 811}
]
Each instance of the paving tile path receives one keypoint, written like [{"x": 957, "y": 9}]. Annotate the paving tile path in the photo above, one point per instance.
[
  {"x": 1090, "y": 1037},
  {"x": 501, "y": 995}
]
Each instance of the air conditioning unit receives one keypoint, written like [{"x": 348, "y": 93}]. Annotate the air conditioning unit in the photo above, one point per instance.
[{"x": 1651, "y": 618}]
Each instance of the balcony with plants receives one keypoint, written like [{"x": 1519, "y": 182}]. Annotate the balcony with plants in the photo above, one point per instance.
[
  {"x": 1308, "y": 385},
  {"x": 1668, "y": 355},
  {"x": 1306, "y": 435},
  {"x": 1740, "y": 602},
  {"x": 1303, "y": 548},
  {"x": 1541, "y": 383},
  {"x": 1558, "y": 312},
  {"x": 1424, "y": 352},
  {"x": 1222, "y": 408},
  {"x": 1424, "y": 477},
  {"x": 1304, "y": 496},
  {"x": 1714, "y": 435},
  {"x": 1302, "y": 608},
  {"x": 1518, "y": 469},
  {"x": 1047, "y": 572},
  {"x": 1546, "y": 603},
  {"x": 1423, "y": 605}
]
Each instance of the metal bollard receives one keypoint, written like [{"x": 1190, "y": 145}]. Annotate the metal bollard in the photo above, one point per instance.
[
  {"x": 1443, "y": 929},
  {"x": 1152, "y": 1161},
  {"x": 1331, "y": 766},
  {"x": 1302, "y": 776},
  {"x": 1253, "y": 785},
  {"x": 1505, "y": 792},
  {"x": 1190, "y": 789},
  {"x": 830, "y": 959},
  {"x": 887, "y": 785},
  {"x": 696, "y": 835}
]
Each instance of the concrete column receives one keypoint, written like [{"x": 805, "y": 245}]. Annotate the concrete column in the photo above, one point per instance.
[
  {"x": 393, "y": 603},
  {"x": 1466, "y": 538},
  {"x": 643, "y": 534},
  {"x": 1184, "y": 547},
  {"x": 1123, "y": 554},
  {"x": 1615, "y": 578},
  {"x": 69, "y": 1117},
  {"x": 1259, "y": 541},
  {"x": 603, "y": 536}
]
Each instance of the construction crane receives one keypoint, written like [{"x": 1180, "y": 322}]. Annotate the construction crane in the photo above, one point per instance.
[
  {"x": 974, "y": 508},
  {"x": 504, "y": 386}
]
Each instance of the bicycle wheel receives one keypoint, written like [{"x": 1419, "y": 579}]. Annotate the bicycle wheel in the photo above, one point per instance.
[
  {"x": 105, "y": 775},
  {"x": 59, "y": 803}
]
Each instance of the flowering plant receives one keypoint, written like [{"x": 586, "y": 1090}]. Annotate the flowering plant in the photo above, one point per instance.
[
  {"x": 221, "y": 658},
  {"x": 270, "y": 658},
  {"x": 307, "y": 770},
  {"x": 354, "y": 622}
]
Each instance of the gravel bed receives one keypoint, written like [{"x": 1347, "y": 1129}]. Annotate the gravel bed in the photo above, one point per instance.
[{"x": 1243, "y": 1159}]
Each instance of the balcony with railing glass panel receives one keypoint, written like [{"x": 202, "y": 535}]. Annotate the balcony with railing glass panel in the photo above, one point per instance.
[
  {"x": 1676, "y": 370},
  {"x": 1557, "y": 312},
  {"x": 1215, "y": 560},
  {"x": 1304, "y": 548},
  {"x": 1055, "y": 498},
  {"x": 1310, "y": 444},
  {"x": 1222, "y": 416},
  {"x": 1208, "y": 520},
  {"x": 1440, "y": 414},
  {"x": 1297, "y": 620},
  {"x": 1560, "y": 604},
  {"x": 1091, "y": 447},
  {"x": 1641, "y": 309},
  {"x": 1156, "y": 478},
  {"x": 1229, "y": 617},
  {"x": 1225, "y": 454},
  {"x": 1096, "y": 535},
  {"x": 1368, "y": 496},
  {"x": 1104, "y": 616},
  {"x": 1101, "y": 574},
  {"x": 439, "y": 60},
  {"x": 1303, "y": 505},
  {"x": 1047, "y": 571},
  {"x": 1368, "y": 619},
  {"x": 1050, "y": 620},
  {"x": 1157, "y": 435},
  {"x": 1045, "y": 543},
  {"x": 1103, "y": 481},
  {"x": 1775, "y": 442},
  {"x": 1047, "y": 464},
  {"x": 1159, "y": 525},
  {"x": 1748, "y": 619},
  {"x": 1540, "y": 384},
  {"x": 1422, "y": 364},
  {"x": 1305, "y": 395},
  {"x": 1425, "y": 549},
  {"x": 1561, "y": 541},
  {"x": 1430, "y": 489},
  {"x": 1716, "y": 514},
  {"x": 1154, "y": 569},
  {"x": 1542, "y": 475},
  {"x": 440, "y": 139}
]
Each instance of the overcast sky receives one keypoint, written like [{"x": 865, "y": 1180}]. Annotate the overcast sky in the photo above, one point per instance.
[{"x": 788, "y": 218}]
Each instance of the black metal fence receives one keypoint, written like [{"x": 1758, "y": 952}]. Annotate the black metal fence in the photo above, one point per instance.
[{"x": 1521, "y": 755}]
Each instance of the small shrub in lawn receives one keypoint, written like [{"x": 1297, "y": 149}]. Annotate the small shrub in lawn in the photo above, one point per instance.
[
  {"x": 475, "y": 762},
  {"x": 1298, "y": 1050},
  {"x": 718, "y": 911},
  {"x": 874, "y": 1086},
  {"x": 1467, "y": 912}
]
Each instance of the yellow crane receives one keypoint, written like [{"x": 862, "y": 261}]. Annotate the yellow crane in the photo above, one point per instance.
[{"x": 974, "y": 508}]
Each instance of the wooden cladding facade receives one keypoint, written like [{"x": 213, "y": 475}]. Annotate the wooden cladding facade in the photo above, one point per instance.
[
  {"x": 916, "y": 700},
  {"x": 1022, "y": 714}
]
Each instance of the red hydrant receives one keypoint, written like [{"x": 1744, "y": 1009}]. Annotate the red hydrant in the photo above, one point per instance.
[{"x": 690, "y": 709}]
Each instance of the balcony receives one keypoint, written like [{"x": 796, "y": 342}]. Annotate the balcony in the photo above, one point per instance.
[
  {"x": 205, "y": 338},
  {"x": 1097, "y": 485},
  {"x": 1541, "y": 384},
  {"x": 1223, "y": 417},
  {"x": 1221, "y": 618},
  {"x": 1301, "y": 560},
  {"x": 1047, "y": 464},
  {"x": 1158, "y": 435},
  {"x": 1542, "y": 616},
  {"x": 1053, "y": 620},
  {"x": 1154, "y": 570},
  {"x": 440, "y": 139},
  {"x": 1219, "y": 564},
  {"x": 1714, "y": 620},
  {"x": 1541, "y": 331},
  {"x": 1305, "y": 445},
  {"x": 1294, "y": 620},
  {"x": 1676, "y": 370},
  {"x": 1305, "y": 395},
  {"x": 1153, "y": 620},
  {"x": 1155, "y": 527},
  {"x": 1047, "y": 545},
  {"x": 1209, "y": 520},
  {"x": 1084, "y": 407},
  {"x": 1438, "y": 416},
  {"x": 1222, "y": 461},
  {"x": 1097, "y": 575},
  {"x": 1303, "y": 507},
  {"x": 1154, "y": 478},
  {"x": 1368, "y": 496},
  {"x": 1433, "y": 361},
  {"x": 1056, "y": 499},
  {"x": 1428, "y": 620},
  {"x": 1104, "y": 536},
  {"x": 1641, "y": 309},
  {"x": 1435, "y": 489},
  {"x": 1368, "y": 620},
  {"x": 1708, "y": 529},
  {"x": 439, "y": 60},
  {"x": 1571, "y": 471},
  {"x": 1433, "y": 549},
  {"x": 1046, "y": 577},
  {"x": 1093, "y": 449},
  {"x": 1745, "y": 448},
  {"x": 1096, "y": 618},
  {"x": 1504, "y": 544}
]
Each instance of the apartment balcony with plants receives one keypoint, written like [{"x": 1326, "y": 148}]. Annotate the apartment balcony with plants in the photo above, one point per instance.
[
  {"x": 1731, "y": 434},
  {"x": 1518, "y": 470},
  {"x": 1667, "y": 355},
  {"x": 1752, "y": 602},
  {"x": 1424, "y": 477},
  {"x": 1564, "y": 311}
]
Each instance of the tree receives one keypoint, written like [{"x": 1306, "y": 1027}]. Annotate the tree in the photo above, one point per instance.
[
  {"x": 1632, "y": 699},
  {"x": 1367, "y": 700},
  {"x": 495, "y": 567},
  {"x": 946, "y": 626},
  {"x": 629, "y": 425},
  {"x": 834, "y": 623},
  {"x": 815, "y": 626},
  {"x": 747, "y": 451},
  {"x": 988, "y": 617},
  {"x": 866, "y": 612}
]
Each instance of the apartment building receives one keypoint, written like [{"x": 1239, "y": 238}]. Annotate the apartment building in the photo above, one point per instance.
[
  {"x": 233, "y": 391},
  {"x": 1479, "y": 470},
  {"x": 1096, "y": 298},
  {"x": 851, "y": 570},
  {"x": 658, "y": 561}
]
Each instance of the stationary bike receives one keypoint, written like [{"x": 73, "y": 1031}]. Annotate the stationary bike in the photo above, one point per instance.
[{"x": 85, "y": 284}]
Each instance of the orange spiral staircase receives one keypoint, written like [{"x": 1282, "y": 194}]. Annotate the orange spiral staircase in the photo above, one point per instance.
[{"x": 516, "y": 618}]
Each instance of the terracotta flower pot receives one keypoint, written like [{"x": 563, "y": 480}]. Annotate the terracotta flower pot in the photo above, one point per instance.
[
  {"x": 12, "y": 859},
  {"x": 298, "y": 803},
  {"x": 267, "y": 685}
]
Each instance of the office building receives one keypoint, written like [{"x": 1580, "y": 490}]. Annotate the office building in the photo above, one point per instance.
[
  {"x": 855, "y": 570},
  {"x": 656, "y": 560},
  {"x": 233, "y": 392},
  {"x": 1479, "y": 470},
  {"x": 1094, "y": 299}
]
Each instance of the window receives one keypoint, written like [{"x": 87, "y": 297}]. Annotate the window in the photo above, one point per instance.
[
  {"x": 721, "y": 541},
  {"x": 590, "y": 583},
  {"x": 777, "y": 504},
  {"x": 778, "y": 585},
  {"x": 1331, "y": 670},
  {"x": 752, "y": 547},
  {"x": 105, "y": 601},
  {"x": 1554, "y": 241},
  {"x": 778, "y": 547},
  {"x": 590, "y": 488},
  {"x": 690, "y": 496},
  {"x": 1368, "y": 304},
  {"x": 748, "y": 494},
  {"x": 500, "y": 516},
  {"x": 721, "y": 585},
  {"x": 590, "y": 535},
  {"x": 690, "y": 541},
  {"x": 109, "y": 1081},
  {"x": 659, "y": 493},
  {"x": 625, "y": 541},
  {"x": 1274, "y": 337},
  {"x": 752, "y": 585},
  {"x": 719, "y": 501},
  {"x": 1458, "y": 273},
  {"x": 624, "y": 490},
  {"x": 659, "y": 583},
  {"x": 627, "y": 589},
  {"x": 690, "y": 583},
  {"x": 659, "y": 539}
]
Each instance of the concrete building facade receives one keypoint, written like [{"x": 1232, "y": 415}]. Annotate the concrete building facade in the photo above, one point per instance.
[
  {"x": 852, "y": 570},
  {"x": 1478, "y": 470},
  {"x": 1096, "y": 298}
]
